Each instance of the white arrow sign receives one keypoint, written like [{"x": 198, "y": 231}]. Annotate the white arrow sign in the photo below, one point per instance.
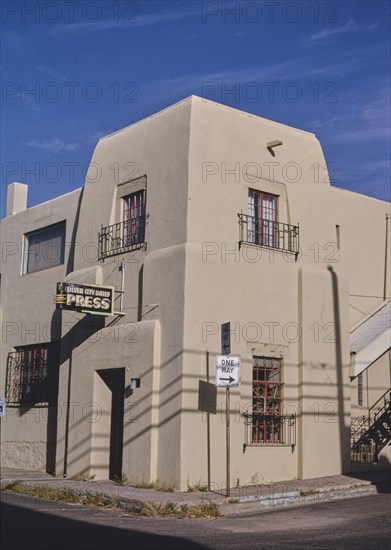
[
  {"x": 227, "y": 371},
  {"x": 2, "y": 406}
]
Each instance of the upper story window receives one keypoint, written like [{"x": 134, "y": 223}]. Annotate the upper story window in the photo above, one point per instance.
[
  {"x": 359, "y": 390},
  {"x": 260, "y": 226},
  {"x": 134, "y": 218},
  {"x": 44, "y": 248},
  {"x": 128, "y": 233},
  {"x": 262, "y": 212}
]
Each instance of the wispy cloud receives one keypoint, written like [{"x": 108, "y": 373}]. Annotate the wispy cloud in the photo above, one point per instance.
[
  {"x": 48, "y": 70},
  {"x": 370, "y": 121},
  {"x": 136, "y": 21},
  {"x": 196, "y": 82},
  {"x": 325, "y": 35},
  {"x": 362, "y": 134},
  {"x": 54, "y": 145}
]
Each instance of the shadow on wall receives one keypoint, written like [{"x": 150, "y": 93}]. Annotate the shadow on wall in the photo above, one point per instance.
[
  {"x": 344, "y": 431},
  {"x": 71, "y": 255}
]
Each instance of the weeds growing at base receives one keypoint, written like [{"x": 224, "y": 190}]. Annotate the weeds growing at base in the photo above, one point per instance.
[{"x": 206, "y": 509}]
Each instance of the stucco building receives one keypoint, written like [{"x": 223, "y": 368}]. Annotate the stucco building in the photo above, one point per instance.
[{"x": 195, "y": 216}]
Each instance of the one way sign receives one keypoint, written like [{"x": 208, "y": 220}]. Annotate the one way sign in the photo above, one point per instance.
[{"x": 227, "y": 371}]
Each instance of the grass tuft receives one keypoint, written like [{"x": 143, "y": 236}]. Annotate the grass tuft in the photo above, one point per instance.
[
  {"x": 197, "y": 487},
  {"x": 123, "y": 480},
  {"x": 157, "y": 485}
]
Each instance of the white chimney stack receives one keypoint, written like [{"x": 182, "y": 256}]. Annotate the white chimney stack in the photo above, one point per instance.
[{"x": 16, "y": 198}]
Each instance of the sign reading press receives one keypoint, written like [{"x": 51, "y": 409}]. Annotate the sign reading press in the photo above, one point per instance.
[{"x": 93, "y": 299}]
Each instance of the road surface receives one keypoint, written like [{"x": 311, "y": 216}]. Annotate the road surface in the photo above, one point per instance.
[{"x": 358, "y": 523}]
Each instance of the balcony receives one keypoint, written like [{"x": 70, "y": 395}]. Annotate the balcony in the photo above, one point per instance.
[
  {"x": 269, "y": 430},
  {"x": 122, "y": 237},
  {"x": 265, "y": 233}
]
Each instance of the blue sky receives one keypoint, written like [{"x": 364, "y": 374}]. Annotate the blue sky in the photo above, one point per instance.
[{"x": 75, "y": 71}]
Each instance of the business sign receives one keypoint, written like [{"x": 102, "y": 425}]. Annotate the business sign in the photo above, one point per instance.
[
  {"x": 227, "y": 371},
  {"x": 207, "y": 397},
  {"x": 92, "y": 299}
]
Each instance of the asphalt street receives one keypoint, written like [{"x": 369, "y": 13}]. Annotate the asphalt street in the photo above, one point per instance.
[{"x": 362, "y": 523}]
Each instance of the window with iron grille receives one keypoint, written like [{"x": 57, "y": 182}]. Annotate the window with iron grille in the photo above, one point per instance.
[
  {"x": 44, "y": 248},
  {"x": 134, "y": 218},
  {"x": 262, "y": 218},
  {"x": 359, "y": 389},
  {"x": 266, "y": 400},
  {"x": 30, "y": 375}
]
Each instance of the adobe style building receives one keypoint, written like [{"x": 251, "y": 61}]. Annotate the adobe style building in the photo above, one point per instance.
[{"x": 193, "y": 217}]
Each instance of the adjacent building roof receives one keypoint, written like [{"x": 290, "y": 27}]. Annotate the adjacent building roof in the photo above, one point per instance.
[{"x": 371, "y": 339}]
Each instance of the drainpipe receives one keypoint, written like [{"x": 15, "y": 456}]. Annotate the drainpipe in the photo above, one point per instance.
[
  {"x": 121, "y": 268},
  {"x": 385, "y": 260}
]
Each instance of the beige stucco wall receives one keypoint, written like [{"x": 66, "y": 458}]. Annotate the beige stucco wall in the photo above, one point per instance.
[
  {"x": 272, "y": 301},
  {"x": 192, "y": 277},
  {"x": 28, "y": 318}
]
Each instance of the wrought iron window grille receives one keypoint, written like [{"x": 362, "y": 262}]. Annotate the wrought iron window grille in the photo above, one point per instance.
[
  {"x": 267, "y": 430},
  {"x": 255, "y": 231},
  {"x": 30, "y": 375}
]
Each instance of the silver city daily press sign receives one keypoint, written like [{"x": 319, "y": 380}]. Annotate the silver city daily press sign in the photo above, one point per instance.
[{"x": 93, "y": 299}]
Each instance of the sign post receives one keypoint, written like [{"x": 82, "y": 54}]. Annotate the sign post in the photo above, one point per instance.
[
  {"x": 228, "y": 441},
  {"x": 225, "y": 338},
  {"x": 227, "y": 376},
  {"x": 2, "y": 412}
]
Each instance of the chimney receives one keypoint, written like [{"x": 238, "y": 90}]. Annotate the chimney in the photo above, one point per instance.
[{"x": 16, "y": 198}]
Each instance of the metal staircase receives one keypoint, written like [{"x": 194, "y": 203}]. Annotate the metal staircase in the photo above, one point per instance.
[{"x": 370, "y": 434}]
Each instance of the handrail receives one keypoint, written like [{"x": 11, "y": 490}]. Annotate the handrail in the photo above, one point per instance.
[
  {"x": 257, "y": 231},
  {"x": 122, "y": 237},
  {"x": 387, "y": 392}
]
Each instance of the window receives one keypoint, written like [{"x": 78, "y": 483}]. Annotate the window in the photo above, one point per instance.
[
  {"x": 338, "y": 236},
  {"x": 44, "y": 248},
  {"x": 266, "y": 400},
  {"x": 129, "y": 232},
  {"x": 262, "y": 218},
  {"x": 30, "y": 372},
  {"x": 359, "y": 389},
  {"x": 134, "y": 218}
]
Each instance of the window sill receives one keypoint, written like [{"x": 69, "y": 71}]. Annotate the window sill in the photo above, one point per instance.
[
  {"x": 122, "y": 250},
  {"x": 267, "y": 247}
]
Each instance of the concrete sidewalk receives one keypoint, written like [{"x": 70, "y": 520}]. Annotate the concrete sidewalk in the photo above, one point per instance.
[{"x": 242, "y": 500}]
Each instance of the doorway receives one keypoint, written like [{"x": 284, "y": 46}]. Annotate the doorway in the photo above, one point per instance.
[{"x": 107, "y": 434}]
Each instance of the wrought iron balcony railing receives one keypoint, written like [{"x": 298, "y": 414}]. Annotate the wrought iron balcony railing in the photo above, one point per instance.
[
  {"x": 259, "y": 232},
  {"x": 269, "y": 430},
  {"x": 121, "y": 237}
]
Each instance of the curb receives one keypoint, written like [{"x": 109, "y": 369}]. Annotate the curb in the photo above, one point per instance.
[
  {"x": 292, "y": 498},
  {"x": 236, "y": 505}
]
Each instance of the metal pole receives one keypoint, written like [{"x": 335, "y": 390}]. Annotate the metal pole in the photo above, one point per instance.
[
  {"x": 208, "y": 424},
  {"x": 385, "y": 260},
  {"x": 67, "y": 416},
  {"x": 122, "y": 270},
  {"x": 228, "y": 440}
]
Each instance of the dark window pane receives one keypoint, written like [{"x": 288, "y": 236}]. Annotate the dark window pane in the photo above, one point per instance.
[{"x": 45, "y": 248}]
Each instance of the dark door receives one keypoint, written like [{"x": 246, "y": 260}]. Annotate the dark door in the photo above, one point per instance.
[{"x": 115, "y": 380}]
